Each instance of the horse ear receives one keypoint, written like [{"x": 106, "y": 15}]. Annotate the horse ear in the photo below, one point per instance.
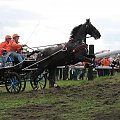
[{"x": 88, "y": 20}]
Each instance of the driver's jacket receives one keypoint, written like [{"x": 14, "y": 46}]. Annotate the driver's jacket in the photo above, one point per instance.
[
  {"x": 13, "y": 46},
  {"x": 4, "y": 46}
]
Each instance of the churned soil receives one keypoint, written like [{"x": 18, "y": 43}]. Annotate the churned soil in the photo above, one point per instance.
[{"x": 105, "y": 94}]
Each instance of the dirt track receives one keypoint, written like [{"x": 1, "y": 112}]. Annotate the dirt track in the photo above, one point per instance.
[{"x": 106, "y": 94}]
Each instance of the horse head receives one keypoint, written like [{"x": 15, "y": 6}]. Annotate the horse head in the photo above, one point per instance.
[
  {"x": 77, "y": 43},
  {"x": 79, "y": 32},
  {"x": 91, "y": 30}
]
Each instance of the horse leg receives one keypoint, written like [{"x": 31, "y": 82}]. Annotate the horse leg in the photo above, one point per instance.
[
  {"x": 80, "y": 58},
  {"x": 51, "y": 77},
  {"x": 90, "y": 67},
  {"x": 90, "y": 73}
]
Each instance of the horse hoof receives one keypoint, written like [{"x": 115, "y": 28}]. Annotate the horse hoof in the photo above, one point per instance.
[{"x": 56, "y": 86}]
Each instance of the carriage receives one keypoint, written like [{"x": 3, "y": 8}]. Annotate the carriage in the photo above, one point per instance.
[
  {"x": 37, "y": 71},
  {"x": 14, "y": 77}
]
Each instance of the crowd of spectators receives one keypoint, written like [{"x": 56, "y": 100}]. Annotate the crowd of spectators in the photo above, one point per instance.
[{"x": 104, "y": 66}]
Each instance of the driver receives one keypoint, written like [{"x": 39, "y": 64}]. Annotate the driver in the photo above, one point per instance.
[{"x": 15, "y": 48}]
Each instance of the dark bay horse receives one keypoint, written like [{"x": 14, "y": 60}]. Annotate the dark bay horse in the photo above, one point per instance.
[{"x": 76, "y": 49}]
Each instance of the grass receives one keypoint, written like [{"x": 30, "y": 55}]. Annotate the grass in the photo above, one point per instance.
[{"x": 76, "y": 100}]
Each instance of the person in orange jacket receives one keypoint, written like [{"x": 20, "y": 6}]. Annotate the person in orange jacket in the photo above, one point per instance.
[
  {"x": 4, "y": 46},
  {"x": 106, "y": 61},
  {"x": 15, "y": 48},
  {"x": 14, "y": 44}
]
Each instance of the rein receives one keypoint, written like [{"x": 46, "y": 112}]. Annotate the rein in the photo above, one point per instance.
[
  {"x": 29, "y": 47},
  {"x": 63, "y": 44},
  {"x": 32, "y": 48},
  {"x": 48, "y": 45}
]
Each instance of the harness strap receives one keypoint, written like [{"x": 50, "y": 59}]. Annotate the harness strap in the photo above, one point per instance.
[{"x": 80, "y": 47}]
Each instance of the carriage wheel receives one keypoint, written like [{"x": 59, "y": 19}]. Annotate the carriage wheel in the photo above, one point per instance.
[
  {"x": 40, "y": 82},
  {"x": 13, "y": 83}
]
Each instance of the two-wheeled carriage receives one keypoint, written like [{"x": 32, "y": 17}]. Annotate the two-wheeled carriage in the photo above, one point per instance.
[{"x": 14, "y": 75}]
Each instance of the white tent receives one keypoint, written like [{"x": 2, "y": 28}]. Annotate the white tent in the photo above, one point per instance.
[{"x": 109, "y": 53}]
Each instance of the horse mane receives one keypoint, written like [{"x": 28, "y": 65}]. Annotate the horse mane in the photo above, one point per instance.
[{"x": 74, "y": 31}]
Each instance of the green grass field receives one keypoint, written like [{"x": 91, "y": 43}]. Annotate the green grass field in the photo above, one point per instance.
[{"x": 75, "y": 100}]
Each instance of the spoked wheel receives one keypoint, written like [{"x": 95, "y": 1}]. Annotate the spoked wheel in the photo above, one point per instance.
[
  {"x": 40, "y": 82},
  {"x": 13, "y": 82}
]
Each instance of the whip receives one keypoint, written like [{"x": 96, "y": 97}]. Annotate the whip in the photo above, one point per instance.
[{"x": 33, "y": 31}]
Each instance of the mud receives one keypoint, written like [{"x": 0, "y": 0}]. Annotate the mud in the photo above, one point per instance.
[{"x": 107, "y": 95}]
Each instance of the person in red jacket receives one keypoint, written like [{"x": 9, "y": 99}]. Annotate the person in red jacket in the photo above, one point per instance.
[
  {"x": 15, "y": 48},
  {"x": 4, "y": 47},
  {"x": 106, "y": 61},
  {"x": 14, "y": 44}
]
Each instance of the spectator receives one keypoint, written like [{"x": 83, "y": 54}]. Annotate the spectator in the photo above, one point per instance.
[
  {"x": 106, "y": 61},
  {"x": 73, "y": 73}
]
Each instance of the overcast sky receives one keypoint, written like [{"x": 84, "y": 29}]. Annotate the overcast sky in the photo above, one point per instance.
[{"x": 45, "y": 22}]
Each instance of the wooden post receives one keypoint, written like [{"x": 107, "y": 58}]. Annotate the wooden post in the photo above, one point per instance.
[{"x": 91, "y": 49}]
